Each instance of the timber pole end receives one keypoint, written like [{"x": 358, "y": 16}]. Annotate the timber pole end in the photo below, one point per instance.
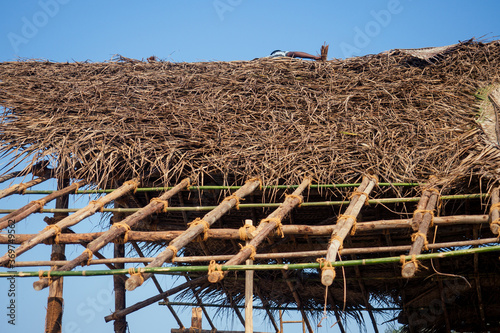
[
  {"x": 215, "y": 277},
  {"x": 327, "y": 277},
  {"x": 41, "y": 284},
  {"x": 133, "y": 282},
  {"x": 495, "y": 228},
  {"x": 408, "y": 270}
]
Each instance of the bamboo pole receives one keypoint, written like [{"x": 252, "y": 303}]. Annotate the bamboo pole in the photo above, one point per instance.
[
  {"x": 69, "y": 221},
  {"x": 266, "y": 267},
  {"x": 11, "y": 175},
  {"x": 194, "y": 231},
  {"x": 344, "y": 224},
  {"x": 420, "y": 237},
  {"x": 249, "y": 291},
  {"x": 36, "y": 205},
  {"x": 21, "y": 187},
  {"x": 295, "y": 230},
  {"x": 495, "y": 211},
  {"x": 266, "y": 256},
  {"x": 114, "y": 232},
  {"x": 266, "y": 226}
]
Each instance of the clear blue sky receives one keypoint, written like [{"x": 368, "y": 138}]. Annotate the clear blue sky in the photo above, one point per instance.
[{"x": 188, "y": 31}]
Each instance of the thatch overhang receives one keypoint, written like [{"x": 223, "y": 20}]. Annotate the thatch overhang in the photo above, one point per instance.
[{"x": 407, "y": 116}]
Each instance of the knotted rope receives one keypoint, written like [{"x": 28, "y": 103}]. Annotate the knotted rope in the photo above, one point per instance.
[
  {"x": 359, "y": 193},
  {"x": 344, "y": 216},
  {"x": 326, "y": 266},
  {"x": 245, "y": 231},
  {"x": 294, "y": 196},
  {"x": 57, "y": 231},
  {"x": 132, "y": 182},
  {"x": 415, "y": 235},
  {"x": 133, "y": 272},
  {"x": 235, "y": 197},
  {"x": 255, "y": 179},
  {"x": 90, "y": 255},
  {"x": 277, "y": 220},
  {"x": 425, "y": 211},
  {"x": 99, "y": 203},
  {"x": 164, "y": 202},
  {"x": 174, "y": 251},
  {"x": 252, "y": 248},
  {"x": 206, "y": 226},
  {"x": 215, "y": 268},
  {"x": 40, "y": 203},
  {"x": 127, "y": 228}
]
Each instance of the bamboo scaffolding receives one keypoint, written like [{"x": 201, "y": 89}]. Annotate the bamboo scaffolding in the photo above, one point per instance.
[
  {"x": 495, "y": 211},
  {"x": 421, "y": 222},
  {"x": 37, "y": 205},
  {"x": 267, "y": 256},
  {"x": 222, "y": 233},
  {"x": 265, "y": 267},
  {"x": 344, "y": 225},
  {"x": 266, "y": 226},
  {"x": 114, "y": 232},
  {"x": 194, "y": 231},
  {"x": 21, "y": 187},
  {"x": 268, "y": 205},
  {"x": 68, "y": 221}
]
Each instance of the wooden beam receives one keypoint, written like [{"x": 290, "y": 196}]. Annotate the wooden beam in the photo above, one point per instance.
[
  {"x": 193, "y": 231},
  {"x": 21, "y": 187},
  {"x": 421, "y": 221},
  {"x": 265, "y": 227},
  {"x": 495, "y": 211},
  {"x": 117, "y": 229},
  {"x": 345, "y": 223}
]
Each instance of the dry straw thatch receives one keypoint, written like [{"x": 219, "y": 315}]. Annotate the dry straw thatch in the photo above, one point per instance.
[{"x": 390, "y": 114}]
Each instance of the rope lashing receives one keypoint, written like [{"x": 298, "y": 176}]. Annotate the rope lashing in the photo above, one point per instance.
[
  {"x": 174, "y": 251},
  {"x": 425, "y": 211},
  {"x": 57, "y": 231},
  {"x": 215, "y": 268},
  {"x": 252, "y": 248},
  {"x": 77, "y": 187},
  {"x": 415, "y": 235},
  {"x": 293, "y": 196},
  {"x": 125, "y": 235},
  {"x": 495, "y": 206},
  {"x": 206, "y": 226},
  {"x": 21, "y": 188},
  {"x": 137, "y": 272},
  {"x": 90, "y": 255},
  {"x": 188, "y": 183},
  {"x": 277, "y": 220},
  {"x": 235, "y": 197},
  {"x": 99, "y": 203},
  {"x": 340, "y": 240},
  {"x": 164, "y": 202},
  {"x": 132, "y": 182},
  {"x": 359, "y": 193},
  {"x": 245, "y": 231},
  {"x": 40, "y": 203},
  {"x": 255, "y": 179},
  {"x": 402, "y": 260},
  {"x": 325, "y": 265},
  {"x": 344, "y": 216},
  {"x": 40, "y": 276}
]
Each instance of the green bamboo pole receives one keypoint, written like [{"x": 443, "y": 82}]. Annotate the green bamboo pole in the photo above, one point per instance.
[
  {"x": 216, "y": 187},
  {"x": 267, "y": 267},
  {"x": 266, "y": 205}
]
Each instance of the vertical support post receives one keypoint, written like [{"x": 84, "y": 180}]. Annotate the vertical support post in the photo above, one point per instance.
[
  {"x": 281, "y": 321},
  {"x": 196, "y": 320},
  {"x": 53, "y": 320},
  {"x": 120, "y": 324},
  {"x": 248, "y": 292}
]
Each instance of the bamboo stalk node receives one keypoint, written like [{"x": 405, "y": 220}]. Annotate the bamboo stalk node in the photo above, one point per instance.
[
  {"x": 132, "y": 182},
  {"x": 246, "y": 232},
  {"x": 40, "y": 203},
  {"x": 99, "y": 203},
  {"x": 325, "y": 265},
  {"x": 359, "y": 193},
  {"x": 90, "y": 254},
  {"x": 217, "y": 269},
  {"x": 235, "y": 197},
  {"x": 252, "y": 248},
  {"x": 174, "y": 251},
  {"x": 255, "y": 179},
  {"x": 164, "y": 202},
  {"x": 137, "y": 272},
  {"x": 124, "y": 239},
  {"x": 293, "y": 196},
  {"x": 415, "y": 235},
  {"x": 206, "y": 226},
  {"x": 57, "y": 231}
]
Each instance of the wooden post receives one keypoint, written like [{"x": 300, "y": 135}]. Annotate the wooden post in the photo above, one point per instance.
[
  {"x": 344, "y": 224},
  {"x": 120, "y": 324},
  {"x": 494, "y": 211},
  {"x": 194, "y": 231},
  {"x": 248, "y": 292},
  {"x": 265, "y": 227},
  {"x": 196, "y": 320},
  {"x": 420, "y": 237},
  {"x": 53, "y": 321}
]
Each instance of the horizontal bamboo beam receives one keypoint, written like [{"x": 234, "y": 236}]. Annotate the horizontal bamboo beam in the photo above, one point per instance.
[
  {"x": 117, "y": 230},
  {"x": 266, "y": 256},
  {"x": 265, "y": 267},
  {"x": 269, "y": 205},
  {"x": 295, "y": 230},
  {"x": 231, "y": 188},
  {"x": 73, "y": 219},
  {"x": 36, "y": 205},
  {"x": 194, "y": 231}
]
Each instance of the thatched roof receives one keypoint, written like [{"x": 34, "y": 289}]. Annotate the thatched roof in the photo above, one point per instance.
[{"x": 390, "y": 114}]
